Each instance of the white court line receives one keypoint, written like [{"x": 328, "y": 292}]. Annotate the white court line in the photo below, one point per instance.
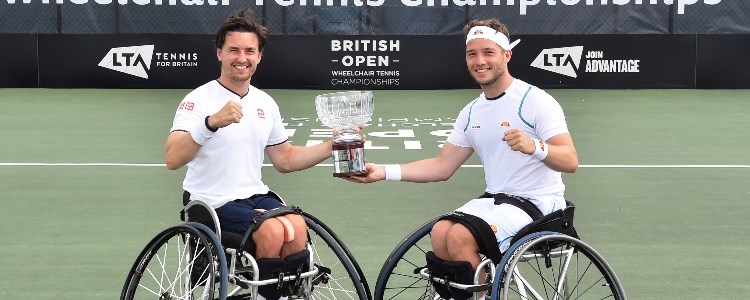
[
  {"x": 331, "y": 165},
  {"x": 79, "y": 164}
]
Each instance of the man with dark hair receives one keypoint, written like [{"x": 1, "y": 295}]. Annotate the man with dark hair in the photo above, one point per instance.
[
  {"x": 221, "y": 131},
  {"x": 520, "y": 134}
]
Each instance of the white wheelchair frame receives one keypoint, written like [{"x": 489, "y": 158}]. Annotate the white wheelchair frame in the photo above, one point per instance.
[
  {"x": 227, "y": 277},
  {"x": 554, "y": 257}
]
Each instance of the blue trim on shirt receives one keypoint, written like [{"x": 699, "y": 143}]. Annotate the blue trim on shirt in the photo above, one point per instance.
[
  {"x": 468, "y": 120},
  {"x": 521, "y": 106}
]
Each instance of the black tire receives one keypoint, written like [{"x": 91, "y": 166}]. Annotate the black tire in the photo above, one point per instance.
[
  {"x": 397, "y": 278},
  {"x": 181, "y": 262},
  {"x": 343, "y": 278},
  {"x": 540, "y": 259}
]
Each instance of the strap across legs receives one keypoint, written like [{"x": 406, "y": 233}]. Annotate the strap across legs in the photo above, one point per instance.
[
  {"x": 481, "y": 231},
  {"x": 255, "y": 222},
  {"x": 520, "y": 202}
]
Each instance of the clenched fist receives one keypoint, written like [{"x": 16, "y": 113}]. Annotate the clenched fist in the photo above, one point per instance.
[
  {"x": 230, "y": 113},
  {"x": 518, "y": 141}
]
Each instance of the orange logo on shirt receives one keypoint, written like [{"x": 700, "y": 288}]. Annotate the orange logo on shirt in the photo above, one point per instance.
[
  {"x": 494, "y": 228},
  {"x": 505, "y": 124}
]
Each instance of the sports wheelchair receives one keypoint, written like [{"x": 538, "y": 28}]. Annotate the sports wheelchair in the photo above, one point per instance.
[
  {"x": 546, "y": 260},
  {"x": 197, "y": 260}
]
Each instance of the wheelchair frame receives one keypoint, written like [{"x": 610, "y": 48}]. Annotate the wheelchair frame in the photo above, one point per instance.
[
  {"x": 539, "y": 264},
  {"x": 333, "y": 272}
]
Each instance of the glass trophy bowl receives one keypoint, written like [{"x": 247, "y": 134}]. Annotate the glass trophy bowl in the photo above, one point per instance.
[{"x": 344, "y": 112}]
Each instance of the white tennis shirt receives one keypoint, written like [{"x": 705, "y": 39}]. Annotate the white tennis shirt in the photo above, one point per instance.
[
  {"x": 228, "y": 166},
  {"x": 523, "y": 106}
]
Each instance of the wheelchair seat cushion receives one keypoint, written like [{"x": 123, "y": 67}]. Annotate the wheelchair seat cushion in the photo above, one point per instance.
[{"x": 231, "y": 239}]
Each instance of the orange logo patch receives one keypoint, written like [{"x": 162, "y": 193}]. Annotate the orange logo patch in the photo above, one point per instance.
[
  {"x": 494, "y": 228},
  {"x": 505, "y": 124}
]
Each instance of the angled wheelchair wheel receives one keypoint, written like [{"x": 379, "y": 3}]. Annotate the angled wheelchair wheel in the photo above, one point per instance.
[
  {"x": 185, "y": 261},
  {"x": 398, "y": 278},
  {"x": 550, "y": 265},
  {"x": 340, "y": 276}
]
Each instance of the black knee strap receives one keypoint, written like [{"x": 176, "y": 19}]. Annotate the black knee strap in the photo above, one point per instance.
[
  {"x": 450, "y": 271},
  {"x": 481, "y": 231},
  {"x": 296, "y": 264},
  {"x": 270, "y": 268}
]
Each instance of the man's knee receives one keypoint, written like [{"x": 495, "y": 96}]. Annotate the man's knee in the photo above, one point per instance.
[
  {"x": 270, "y": 231},
  {"x": 298, "y": 226},
  {"x": 441, "y": 228},
  {"x": 439, "y": 236},
  {"x": 459, "y": 237}
]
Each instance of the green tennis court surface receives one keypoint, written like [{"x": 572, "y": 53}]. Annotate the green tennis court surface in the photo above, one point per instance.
[{"x": 663, "y": 190}]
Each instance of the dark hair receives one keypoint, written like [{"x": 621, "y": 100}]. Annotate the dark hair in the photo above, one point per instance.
[
  {"x": 241, "y": 21},
  {"x": 491, "y": 23}
]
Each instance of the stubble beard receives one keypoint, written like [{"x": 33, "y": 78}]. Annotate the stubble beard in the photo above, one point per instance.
[
  {"x": 495, "y": 78},
  {"x": 234, "y": 76}
]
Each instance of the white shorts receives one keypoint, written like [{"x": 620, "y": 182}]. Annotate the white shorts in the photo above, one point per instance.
[{"x": 504, "y": 219}]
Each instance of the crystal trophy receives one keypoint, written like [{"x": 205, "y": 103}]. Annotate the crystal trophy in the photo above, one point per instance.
[{"x": 344, "y": 112}]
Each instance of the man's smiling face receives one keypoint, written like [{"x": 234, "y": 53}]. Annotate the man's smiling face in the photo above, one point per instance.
[{"x": 240, "y": 56}]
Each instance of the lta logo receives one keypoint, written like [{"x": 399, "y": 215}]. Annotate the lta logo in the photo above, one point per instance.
[
  {"x": 565, "y": 61},
  {"x": 134, "y": 60}
]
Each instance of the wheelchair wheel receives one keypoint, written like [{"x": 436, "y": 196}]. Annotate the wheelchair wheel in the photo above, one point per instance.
[
  {"x": 398, "y": 278},
  {"x": 181, "y": 262},
  {"x": 341, "y": 276},
  {"x": 550, "y": 265}
]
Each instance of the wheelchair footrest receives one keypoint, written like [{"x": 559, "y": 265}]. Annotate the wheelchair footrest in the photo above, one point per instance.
[
  {"x": 243, "y": 270},
  {"x": 424, "y": 272}
]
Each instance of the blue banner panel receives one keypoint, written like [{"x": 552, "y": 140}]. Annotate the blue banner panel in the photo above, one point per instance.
[
  {"x": 18, "y": 61},
  {"x": 723, "y": 61},
  {"x": 126, "y": 61},
  {"x": 605, "y": 61}
]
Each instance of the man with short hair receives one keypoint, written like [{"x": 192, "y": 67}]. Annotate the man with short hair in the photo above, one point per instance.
[
  {"x": 519, "y": 133},
  {"x": 221, "y": 131}
]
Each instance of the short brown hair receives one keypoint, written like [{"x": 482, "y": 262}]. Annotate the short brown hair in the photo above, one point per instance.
[{"x": 241, "y": 21}]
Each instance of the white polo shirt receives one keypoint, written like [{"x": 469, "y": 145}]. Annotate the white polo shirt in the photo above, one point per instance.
[
  {"x": 228, "y": 166},
  {"x": 523, "y": 106}
]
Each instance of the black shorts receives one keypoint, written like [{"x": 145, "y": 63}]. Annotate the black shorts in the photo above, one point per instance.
[{"x": 236, "y": 215}]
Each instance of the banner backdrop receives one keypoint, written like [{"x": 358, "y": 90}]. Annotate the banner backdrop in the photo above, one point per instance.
[
  {"x": 314, "y": 62},
  {"x": 18, "y": 61},
  {"x": 126, "y": 61},
  {"x": 370, "y": 62},
  {"x": 606, "y": 61},
  {"x": 437, "y": 62},
  {"x": 364, "y": 62}
]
